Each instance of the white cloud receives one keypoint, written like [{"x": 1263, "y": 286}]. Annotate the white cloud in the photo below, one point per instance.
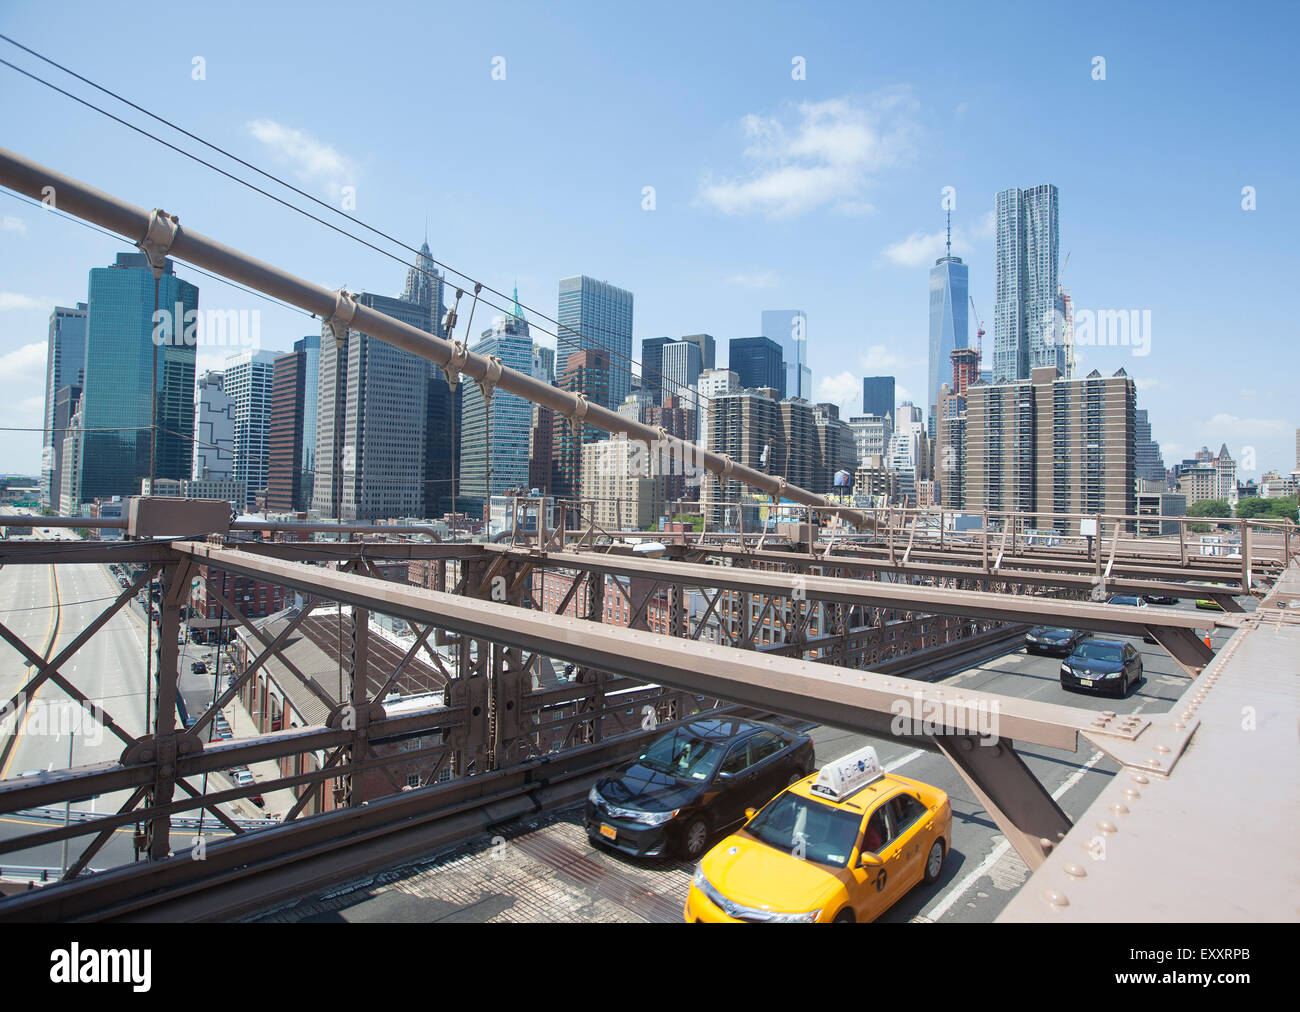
[
  {"x": 879, "y": 360},
  {"x": 12, "y": 300},
  {"x": 921, "y": 249},
  {"x": 313, "y": 162},
  {"x": 25, "y": 363},
  {"x": 1224, "y": 428},
  {"x": 1144, "y": 382},
  {"x": 756, "y": 279},
  {"x": 843, "y": 389},
  {"x": 826, "y": 156},
  {"x": 10, "y": 223}
]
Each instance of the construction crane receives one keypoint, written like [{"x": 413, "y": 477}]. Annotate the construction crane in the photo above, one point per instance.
[{"x": 979, "y": 333}]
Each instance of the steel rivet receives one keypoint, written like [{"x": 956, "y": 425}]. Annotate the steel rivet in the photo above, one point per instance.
[
  {"x": 1132, "y": 794},
  {"x": 1075, "y": 870},
  {"x": 1140, "y": 778},
  {"x": 1119, "y": 809},
  {"x": 1107, "y": 827},
  {"x": 1153, "y": 763},
  {"x": 1056, "y": 899},
  {"x": 967, "y": 745},
  {"x": 1162, "y": 748}
]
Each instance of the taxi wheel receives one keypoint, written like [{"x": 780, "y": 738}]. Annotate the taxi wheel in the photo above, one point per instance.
[
  {"x": 845, "y": 916},
  {"x": 934, "y": 863},
  {"x": 695, "y": 838}
]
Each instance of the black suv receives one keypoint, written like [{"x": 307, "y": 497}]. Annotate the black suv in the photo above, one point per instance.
[{"x": 693, "y": 782}]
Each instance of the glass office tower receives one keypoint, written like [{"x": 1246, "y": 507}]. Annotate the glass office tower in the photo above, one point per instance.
[
  {"x": 602, "y": 314},
  {"x": 789, "y": 329},
  {"x": 117, "y": 403},
  {"x": 949, "y": 300}
]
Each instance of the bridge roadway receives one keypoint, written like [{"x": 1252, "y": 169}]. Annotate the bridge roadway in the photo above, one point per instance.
[
  {"x": 48, "y": 606},
  {"x": 541, "y": 867}
]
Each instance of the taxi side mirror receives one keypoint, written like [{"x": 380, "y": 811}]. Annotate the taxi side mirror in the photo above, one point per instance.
[
  {"x": 869, "y": 860},
  {"x": 749, "y": 813}
]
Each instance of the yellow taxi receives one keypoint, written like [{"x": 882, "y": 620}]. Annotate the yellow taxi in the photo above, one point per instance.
[{"x": 841, "y": 845}]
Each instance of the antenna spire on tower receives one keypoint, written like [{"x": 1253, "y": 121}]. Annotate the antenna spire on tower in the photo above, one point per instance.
[{"x": 950, "y": 231}]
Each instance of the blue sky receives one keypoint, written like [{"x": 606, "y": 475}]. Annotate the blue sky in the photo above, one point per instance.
[{"x": 770, "y": 192}]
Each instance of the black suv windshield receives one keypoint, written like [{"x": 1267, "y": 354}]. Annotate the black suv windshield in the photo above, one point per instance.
[
  {"x": 828, "y": 835},
  {"x": 1098, "y": 652},
  {"x": 683, "y": 755}
]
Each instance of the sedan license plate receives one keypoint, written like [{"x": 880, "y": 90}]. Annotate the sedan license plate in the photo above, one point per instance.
[
  {"x": 609, "y": 832},
  {"x": 1086, "y": 681}
]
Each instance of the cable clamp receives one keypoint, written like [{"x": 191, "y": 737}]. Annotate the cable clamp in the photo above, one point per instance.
[
  {"x": 159, "y": 239},
  {"x": 459, "y": 356},
  {"x": 339, "y": 320},
  {"x": 488, "y": 383}
]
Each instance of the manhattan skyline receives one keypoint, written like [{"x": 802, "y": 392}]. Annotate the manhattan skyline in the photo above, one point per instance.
[{"x": 822, "y": 192}]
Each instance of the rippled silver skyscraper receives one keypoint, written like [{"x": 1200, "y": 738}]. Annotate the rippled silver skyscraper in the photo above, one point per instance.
[{"x": 1025, "y": 332}]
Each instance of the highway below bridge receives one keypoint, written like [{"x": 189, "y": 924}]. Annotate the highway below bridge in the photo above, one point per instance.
[{"x": 540, "y": 867}]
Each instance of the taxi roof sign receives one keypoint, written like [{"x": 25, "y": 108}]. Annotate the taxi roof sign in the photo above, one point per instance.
[{"x": 842, "y": 777}]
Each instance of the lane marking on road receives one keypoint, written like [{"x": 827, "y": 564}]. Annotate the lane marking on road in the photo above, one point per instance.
[
  {"x": 10, "y": 749},
  {"x": 961, "y": 887},
  {"x": 916, "y": 753}
]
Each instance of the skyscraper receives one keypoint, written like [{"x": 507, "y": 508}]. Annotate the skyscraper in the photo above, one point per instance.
[
  {"x": 1026, "y": 333},
  {"x": 67, "y": 400},
  {"x": 372, "y": 421},
  {"x": 949, "y": 300},
  {"x": 713, "y": 383},
  {"x": 65, "y": 365},
  {"x": 789, "y": 329},
  {"x": 681, "y": 368},
  {"x": 878, "y": 397},
  {"x": 587, "y": 373},
  {"x": 246, "y": 379},
  {"x": 602, "y": 314},
  {"x": 652, "y": 364},
  {"x": 117, "y": 401},
  {"x": 214, "y": 429},
  {"x": 1088, "y": 426},
  {"x": 494, "y": 439},
  {"x": 708, "y": 349},
  {"x": 756, "y": 361},
  {"x": 424, "y": 288},
  {"x": 1149, "y": 464},
  {"x": 292, "y": 442}
]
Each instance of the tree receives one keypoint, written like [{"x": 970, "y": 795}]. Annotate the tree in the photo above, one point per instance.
[
  {"x": 1210, "y": 508},
  {"x": 1267, "y": 509},
  {"x": 1220, "y": 508}
]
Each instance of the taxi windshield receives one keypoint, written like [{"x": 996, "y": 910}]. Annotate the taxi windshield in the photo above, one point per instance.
[
  {"x": 683, "y": 755},
  {"x": 827, "y": 835}
]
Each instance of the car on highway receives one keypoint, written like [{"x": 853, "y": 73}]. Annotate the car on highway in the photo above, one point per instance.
[
  {"x": 1208, "y": 603},
  {"x": 1159, "y": 599},
  {"x": 840, "y": 846},
  {"x": 1132, "y": 601},
  {"x": 1103, "y": 666},
  {"x": 691, "y": 783},
  {"x": 1042, "y": 639},
  {"x": 199, "y": 668}
]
